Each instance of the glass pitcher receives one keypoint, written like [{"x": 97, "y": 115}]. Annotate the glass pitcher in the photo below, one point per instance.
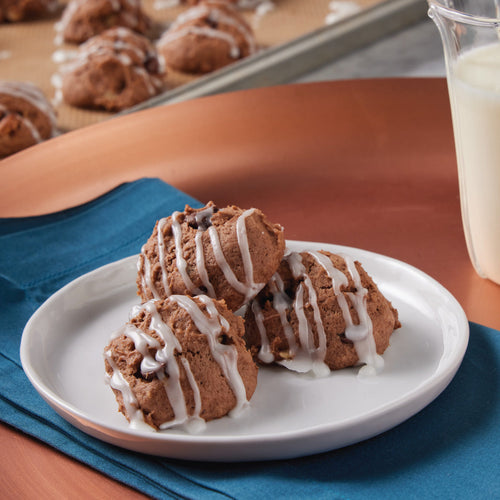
[{"x": 470, "y": 32}]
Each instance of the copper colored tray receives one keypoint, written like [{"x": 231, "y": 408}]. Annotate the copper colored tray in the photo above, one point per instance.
[{"x": 367, "y": 163}]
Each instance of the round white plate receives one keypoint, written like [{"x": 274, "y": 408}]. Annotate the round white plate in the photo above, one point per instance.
[{"x": 290, "y": 414}]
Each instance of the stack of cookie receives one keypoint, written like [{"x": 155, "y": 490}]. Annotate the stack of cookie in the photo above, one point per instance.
[
  {"x": 181, "y": 359},
  {"x": 221, "y": 296}
]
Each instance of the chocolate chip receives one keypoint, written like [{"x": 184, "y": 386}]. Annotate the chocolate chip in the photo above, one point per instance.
[
  {"x": 224, "y": 339},
  {"x": 344, "y": 339},
  {"x": 212, "y": 22},
  {"x": 201, "y": 224},
  {"x": 151, "y": 64}
]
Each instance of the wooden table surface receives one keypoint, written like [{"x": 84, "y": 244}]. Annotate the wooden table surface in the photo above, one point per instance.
[{"x": 366, "y": 163}]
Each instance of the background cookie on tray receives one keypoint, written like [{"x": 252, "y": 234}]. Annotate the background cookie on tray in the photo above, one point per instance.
[
  {"x": 112, "y": 71},
  {"x": 83, "y": 19},
  {"x": 26, "y": 117},
  {"x": 14, "y": 11},
  {"x": 207, "y": 37}
]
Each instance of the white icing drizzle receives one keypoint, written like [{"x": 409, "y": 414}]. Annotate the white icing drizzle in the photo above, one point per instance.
[
  {"x": 33, "y": 130},
  {"x": 63, "y": 55},
  {"x": 166, "y": 357},
  {"x": 248, "y": 288},
  {"x": 179, "y": 257},
  {"x": 161, "y": 255},
  {"x": 117, "y": 381},
  {"x": 225, "y": 355},
  {"x": 189, "y": 15},
  {"x": 265, "y": 354},
  {"x": 56, "y": 81},
  {"x": 307, "y": 350},
  {"x": 261, "y": 10},
  {"x": 102, "y": 46},
  {"x": 250, "y": 4},
  {"x": 241, "y": 232},
  {"x": 281, "y": 302},
  {"x": 144, "y": 270},
  {"x": 362, "y": 334},
  {"x": 195, "y": 424},
  {"x": 200, "y": 255},
  {"x": 142, "y": 343},
  {"x": 165, "y": 4},
  {"x": 66, "y": 18},
  {"x": 340, "y": 9},
  {"x": 32, "y": 94},
  {"x": 200, "y": 264}
]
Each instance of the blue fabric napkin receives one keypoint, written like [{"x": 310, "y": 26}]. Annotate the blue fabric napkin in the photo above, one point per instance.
[{"x": 451, "y": 449}]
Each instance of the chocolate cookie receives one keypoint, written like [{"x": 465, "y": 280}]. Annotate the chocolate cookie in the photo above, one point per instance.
[
  {"x": 205, "y": 38},
  {"x": 320, "y": 312},
  {"x": 26, "y": 117},
  {"x": 83, "y": 19},
  {"x": 13, "y": 11},
  {"x": 227, "y": 254},
  {"x": 113, "y": 71},
  {"x": 179, "y": 362}
]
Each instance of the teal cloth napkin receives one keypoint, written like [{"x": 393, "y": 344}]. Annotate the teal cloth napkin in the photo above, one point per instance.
[{"x": 451, "y": 449}]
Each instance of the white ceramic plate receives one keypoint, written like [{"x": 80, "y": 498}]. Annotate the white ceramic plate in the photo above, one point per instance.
[{"x": 290, "y": 414}]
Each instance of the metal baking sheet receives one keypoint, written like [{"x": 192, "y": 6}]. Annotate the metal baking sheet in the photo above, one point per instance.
[
  {"x": 293, "y": 36},
  {"x": 285, "y": 62}
]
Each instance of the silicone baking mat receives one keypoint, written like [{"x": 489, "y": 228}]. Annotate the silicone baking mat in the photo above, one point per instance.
[{"x": 26, "y": 49}]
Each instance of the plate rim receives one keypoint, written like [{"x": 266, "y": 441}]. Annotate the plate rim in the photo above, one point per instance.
[{"x": 80, "y": 419}]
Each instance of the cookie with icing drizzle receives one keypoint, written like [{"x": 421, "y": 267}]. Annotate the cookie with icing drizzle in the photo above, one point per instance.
[
  {"x": 83, "y": 19},
  {"x": 320, "y": 312},
  {"x": 227, "y": 253},
  {"x": 26, "y": 117},
  {"x": 112, "y": 71},
  {"x": 206, "y": 37},
  {"x": 13, "y": 11},
  {"x": 180, "y": 362}
]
